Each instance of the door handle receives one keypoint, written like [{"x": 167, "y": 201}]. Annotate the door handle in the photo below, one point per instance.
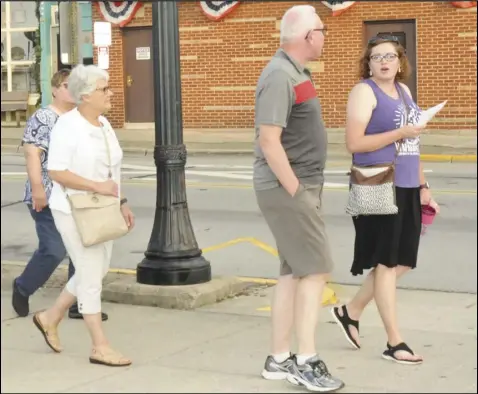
[{"x": 129, "y": 81}]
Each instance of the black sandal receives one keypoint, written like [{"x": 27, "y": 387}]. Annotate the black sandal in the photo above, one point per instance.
[
  {"x": 389, "y": 354},
  {"x": 344, "y": 322}
]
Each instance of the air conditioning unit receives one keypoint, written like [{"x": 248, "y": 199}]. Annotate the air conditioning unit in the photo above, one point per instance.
[{"x": 55, "y": 16}]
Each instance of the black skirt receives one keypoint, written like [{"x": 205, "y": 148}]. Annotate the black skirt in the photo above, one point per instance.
[{"x": 389, "y": 240}]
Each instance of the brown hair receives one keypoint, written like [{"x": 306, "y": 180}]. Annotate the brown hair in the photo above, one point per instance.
[
  {"x": 59, "y": 77},
  {"x": 405, "y": 68}
]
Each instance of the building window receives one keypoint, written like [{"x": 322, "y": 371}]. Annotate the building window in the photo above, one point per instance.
[{"x": 19, "y": 28}]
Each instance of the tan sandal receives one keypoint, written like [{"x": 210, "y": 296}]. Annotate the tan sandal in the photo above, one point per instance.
[
  {"x": 110, "y": 358},
  {"x": 50, "y": 334}
]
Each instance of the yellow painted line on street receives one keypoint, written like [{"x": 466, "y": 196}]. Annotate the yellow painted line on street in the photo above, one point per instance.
[
  {"x": 224, "y": 245},
  {"x": 264, "y": 246}
]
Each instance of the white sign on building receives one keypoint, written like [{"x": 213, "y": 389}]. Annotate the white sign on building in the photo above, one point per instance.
[{"x": 102, "y": 34}]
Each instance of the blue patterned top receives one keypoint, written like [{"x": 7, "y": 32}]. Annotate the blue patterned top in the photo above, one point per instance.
[{"x": 37, "y": 132}]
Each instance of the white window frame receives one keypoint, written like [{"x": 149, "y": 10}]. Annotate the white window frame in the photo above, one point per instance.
[{"x": 8, "y": 50}]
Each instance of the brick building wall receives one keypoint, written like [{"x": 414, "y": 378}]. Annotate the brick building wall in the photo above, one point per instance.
[{"x": 221, "y": 61}]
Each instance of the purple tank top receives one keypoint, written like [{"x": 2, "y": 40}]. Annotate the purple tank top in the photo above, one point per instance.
[{"x": 388, "y": 115}]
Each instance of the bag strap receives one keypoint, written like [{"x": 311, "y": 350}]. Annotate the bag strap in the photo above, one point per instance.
[
  {"x": 110, "y": 173},
  {"x": 405, "y": 106}
]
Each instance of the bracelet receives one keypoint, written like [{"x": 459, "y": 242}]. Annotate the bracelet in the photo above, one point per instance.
[{"x": 123, "y": 201}]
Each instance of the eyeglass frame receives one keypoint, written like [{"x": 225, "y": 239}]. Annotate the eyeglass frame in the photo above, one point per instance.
[
  {"x": 323, "y": 30},
  {"x": 104, "y": 89},
  {"x": 386, "y": 38},
  {"x": 382, "y": 57}
]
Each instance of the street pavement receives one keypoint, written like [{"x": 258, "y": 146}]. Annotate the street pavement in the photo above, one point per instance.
[
  {"x": 234, "y": 236},
  {"x": 221, "y": 349}
]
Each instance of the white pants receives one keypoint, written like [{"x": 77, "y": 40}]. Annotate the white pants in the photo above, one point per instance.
[{"x": 91, "y": 264}]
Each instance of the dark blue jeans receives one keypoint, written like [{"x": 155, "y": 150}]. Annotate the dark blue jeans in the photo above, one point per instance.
[{"x": 50, "y": 253}]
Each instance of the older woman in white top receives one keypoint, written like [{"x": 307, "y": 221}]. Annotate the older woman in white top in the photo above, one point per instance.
[{"x": 79, "y": 163}]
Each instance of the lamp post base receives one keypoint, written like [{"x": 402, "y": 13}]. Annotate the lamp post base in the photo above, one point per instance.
[{"x": 178, "y": 272}]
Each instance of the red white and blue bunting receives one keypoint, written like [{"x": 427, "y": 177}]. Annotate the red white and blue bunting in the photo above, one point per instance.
[
  {"x": 118, "y": 12},
  {"x": 464, "y": 4},
  {"x": 216, "y": 10},
  {"x": 122, "y": 12},
  {"x": 338, "y": 7}
]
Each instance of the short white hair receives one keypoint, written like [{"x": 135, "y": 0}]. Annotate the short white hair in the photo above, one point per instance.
[
  {"x": 296, "y": 22},
  {"x": 83, "y": 79}
]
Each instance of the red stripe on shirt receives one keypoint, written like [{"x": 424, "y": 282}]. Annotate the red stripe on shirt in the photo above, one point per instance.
[{"x": 304, "y": 91}]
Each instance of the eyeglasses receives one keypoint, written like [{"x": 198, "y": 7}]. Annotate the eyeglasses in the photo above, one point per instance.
[
  {"x": 105, "y": 89},
  {"x": 323, "y": 30},
  {"x": 388, "y": 57},
  {"x": 384, "y": 38}
]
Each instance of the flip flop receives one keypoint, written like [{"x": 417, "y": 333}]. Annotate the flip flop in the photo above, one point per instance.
[
  {"x": 344, "y": 323},
  {"x": 51, "y": 338},
  {"x": 109, "y": 359},
  {"x": 389, "y": 354}
]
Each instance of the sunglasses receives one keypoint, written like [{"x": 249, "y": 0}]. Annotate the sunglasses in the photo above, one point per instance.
[{"x": 385, "y": 38}]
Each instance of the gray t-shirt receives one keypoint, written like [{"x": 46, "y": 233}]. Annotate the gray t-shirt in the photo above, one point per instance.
[{"x": 286, "y": 97}]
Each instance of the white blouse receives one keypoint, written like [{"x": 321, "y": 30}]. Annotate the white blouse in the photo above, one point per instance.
[{"x": 79, "y": 147}]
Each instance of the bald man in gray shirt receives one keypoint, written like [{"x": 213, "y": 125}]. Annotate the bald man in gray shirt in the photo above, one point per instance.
[{"x": 290, "y": 151}]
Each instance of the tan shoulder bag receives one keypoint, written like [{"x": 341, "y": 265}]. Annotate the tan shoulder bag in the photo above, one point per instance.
[{"x": 98, "y": 218}]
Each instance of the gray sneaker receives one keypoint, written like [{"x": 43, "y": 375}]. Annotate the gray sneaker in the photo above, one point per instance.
[
  {"x": 314, "y": 376},
  {"x": 277, "y": 371}
]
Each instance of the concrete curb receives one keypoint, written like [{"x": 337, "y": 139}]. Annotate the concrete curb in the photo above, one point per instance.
[
  {"x": 120, "y": 286},
  {"x": 436, "y": 158},
  {"x": 123, "y": 289}
]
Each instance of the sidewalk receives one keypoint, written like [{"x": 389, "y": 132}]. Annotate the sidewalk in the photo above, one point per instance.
[
  {"x": 221, "y": 349},
  {"x": 436, "y": 145}
]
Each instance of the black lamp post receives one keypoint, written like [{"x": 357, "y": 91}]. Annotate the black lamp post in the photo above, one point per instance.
[{"x": 173, "y": 256}]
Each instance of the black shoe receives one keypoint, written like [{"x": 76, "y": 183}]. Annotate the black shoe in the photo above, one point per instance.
[
  {"x": 73, "y": 313},
  {"x": 277, "y": 371},
  {"x": 314, "y": 376},
  {"x": 19, "y": 301}
]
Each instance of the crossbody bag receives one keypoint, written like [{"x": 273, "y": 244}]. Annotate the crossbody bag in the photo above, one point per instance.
[{"x": 372, "y": 188}]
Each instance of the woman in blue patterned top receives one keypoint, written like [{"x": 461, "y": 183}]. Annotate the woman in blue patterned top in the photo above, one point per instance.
[{"x": 51, "y": 251}]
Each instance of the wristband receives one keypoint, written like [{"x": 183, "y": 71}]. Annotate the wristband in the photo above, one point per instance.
[{"x": 123, "y": 201}]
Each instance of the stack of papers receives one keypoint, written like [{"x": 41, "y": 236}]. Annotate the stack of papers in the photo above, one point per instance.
[{"x": 430, "y": 113}]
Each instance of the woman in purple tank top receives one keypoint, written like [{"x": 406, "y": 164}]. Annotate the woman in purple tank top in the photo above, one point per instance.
[{"x": 381, "y": 117}]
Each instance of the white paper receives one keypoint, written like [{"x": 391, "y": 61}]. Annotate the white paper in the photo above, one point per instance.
[
  {"x": 143, "y": 53},
  {"x": 430, "y": 113},
  {"x": 103, "y": 58}
]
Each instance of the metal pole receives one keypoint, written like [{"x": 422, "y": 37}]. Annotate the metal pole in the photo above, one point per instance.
[{"x": 173, "y": 256}]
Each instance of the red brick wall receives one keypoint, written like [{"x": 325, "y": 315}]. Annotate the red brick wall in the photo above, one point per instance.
[{"x": 446, "y": 57}]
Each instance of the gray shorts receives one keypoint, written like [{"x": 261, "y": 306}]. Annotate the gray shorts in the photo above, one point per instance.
[{"x": 298, "y": 229}]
